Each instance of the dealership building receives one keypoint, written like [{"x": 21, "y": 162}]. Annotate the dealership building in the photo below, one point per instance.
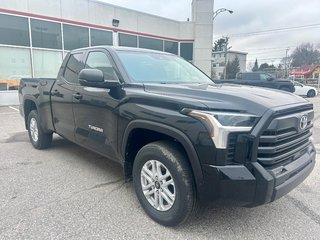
[{"x": 36, "y": 35}]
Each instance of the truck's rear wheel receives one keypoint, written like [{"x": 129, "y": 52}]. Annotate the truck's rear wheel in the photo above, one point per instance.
[
  {"x": 163, "y": 182},
  {"x": 38, "y": 138}
]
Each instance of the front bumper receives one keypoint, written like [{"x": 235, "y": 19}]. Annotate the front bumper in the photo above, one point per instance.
[{"x": 252, "y": 184}]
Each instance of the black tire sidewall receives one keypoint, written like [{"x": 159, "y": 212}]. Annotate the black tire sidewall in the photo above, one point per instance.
[
  {"x": 34, "y": 114},
  {"x": 44, "y": 139},
  {"x": 311, "y": 93},
  {"x": 184, "y": 188}
]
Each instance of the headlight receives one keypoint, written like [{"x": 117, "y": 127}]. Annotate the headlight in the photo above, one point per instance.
[
  {"x": 234, "y": 119},
  {"x": 220, "y": 124}
]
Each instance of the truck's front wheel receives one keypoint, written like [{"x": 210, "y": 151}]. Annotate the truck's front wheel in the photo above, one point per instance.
[
  {"x": 38, "y": 138},
  {"x": 163, "y": 182}
]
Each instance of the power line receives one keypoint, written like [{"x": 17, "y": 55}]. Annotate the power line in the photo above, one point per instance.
[
  {"x": 284, "y": 47},
  {"x": 266, "y": 52},
  {"x": 275, "y": 30},
  {"x": 316, "y": 25}
]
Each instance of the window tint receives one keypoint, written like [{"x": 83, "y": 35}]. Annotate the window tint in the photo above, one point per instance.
[
  {"x": 186, "y": 51},
  {"x": 75, "y": 37},
  {"x": 171, "y": 47},
  {"x": 46, "y": 34},
  {"x": 100, "y": 37},
  {"x": 128, "y": 40},
  {"x": 150, "y": 43},
  {"x": 74, "y": 66},
  {"x": 14, "y": 30},
  {"x": 100, "y": 60}
]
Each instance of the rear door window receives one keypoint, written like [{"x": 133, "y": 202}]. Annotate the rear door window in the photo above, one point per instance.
[{"x": 73, "y": 67}]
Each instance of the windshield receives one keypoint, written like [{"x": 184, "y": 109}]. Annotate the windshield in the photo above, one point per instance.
[{"x": 144, "y": 67}]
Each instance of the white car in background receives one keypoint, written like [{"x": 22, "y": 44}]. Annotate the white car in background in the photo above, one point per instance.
[{"x": 303, "y": 90}]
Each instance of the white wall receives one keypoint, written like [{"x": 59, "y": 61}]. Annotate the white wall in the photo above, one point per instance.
[
  {"x": 231, "y": 55},
  {"x": 202, "y": 15},
  {"x": 95, "y": 12},
  {"x": 8, "y": 98}
]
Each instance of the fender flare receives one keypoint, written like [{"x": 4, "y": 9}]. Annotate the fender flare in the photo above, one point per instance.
[
  {"x": 28, "y": 98},
  {"x": 172, "y": 132}
]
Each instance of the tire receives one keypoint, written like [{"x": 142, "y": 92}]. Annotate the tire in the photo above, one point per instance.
[
  {"x": 171, "y": 160},
  {"x": 311, "y": 93},
  {"x": 38, "y": 138}
]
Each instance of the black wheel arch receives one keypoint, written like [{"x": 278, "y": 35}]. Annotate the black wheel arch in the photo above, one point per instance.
[
  {"x": 29, "y": 104},
  {"x": 171, "y": 133}
]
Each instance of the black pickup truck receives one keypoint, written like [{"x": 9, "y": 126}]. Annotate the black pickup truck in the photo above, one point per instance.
[
  {"x": 260, "y": 79},
  {"x": 182, "y": 139}
]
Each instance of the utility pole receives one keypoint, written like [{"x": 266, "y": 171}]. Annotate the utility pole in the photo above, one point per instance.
[
  {"x": 225, "y": 57},
  {"x": 215, "y": 14},
  {"x": 285, "y": 64}
]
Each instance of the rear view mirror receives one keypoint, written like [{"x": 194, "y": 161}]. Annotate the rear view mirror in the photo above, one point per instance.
[
  {"x": 89, "y": 77},
  {"x": 95, "y": 78}
]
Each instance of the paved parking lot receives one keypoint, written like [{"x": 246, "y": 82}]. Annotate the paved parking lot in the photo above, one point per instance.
[{"x": 67, "y": 192}]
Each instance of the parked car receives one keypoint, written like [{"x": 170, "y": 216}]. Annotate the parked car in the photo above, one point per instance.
[
  {"x": 260, "y": 79},
  {"x": 182, "y": 139},
  {"x": 303, "y": 90}
]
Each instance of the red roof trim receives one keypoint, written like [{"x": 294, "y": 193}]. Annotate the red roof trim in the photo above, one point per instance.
[
  {"x": 306, "y": 70},
  {"x": 2, "y": 10}
]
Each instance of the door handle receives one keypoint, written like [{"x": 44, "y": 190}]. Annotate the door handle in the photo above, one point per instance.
[
  {"x": 55, "y": 93},
  {"x": 77, "y": 96}
]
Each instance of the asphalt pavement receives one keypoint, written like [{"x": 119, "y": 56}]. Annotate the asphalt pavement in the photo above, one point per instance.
[{"x": 67, "y": 192}]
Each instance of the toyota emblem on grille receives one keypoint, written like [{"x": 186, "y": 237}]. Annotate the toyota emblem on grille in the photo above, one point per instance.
[{"x": 303, "y": 122}]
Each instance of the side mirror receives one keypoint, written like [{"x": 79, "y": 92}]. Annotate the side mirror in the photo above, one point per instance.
[{"x": 95, "y": 78}]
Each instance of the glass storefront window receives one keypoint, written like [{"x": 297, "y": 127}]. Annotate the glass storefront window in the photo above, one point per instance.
[
  {"x": 127, "y": 40},
  {"x": 151, "y": 43},
  {"x": 46, "y": 34},
  {"x": 186, "y": 51},
  {"x": 100, "y": 37},
  {"x": 75, "y": 37},
  {"x": 171, "y": 47},
  {"x": 15, "y": 63},
  {"x": 46, "y": 63},
  {"x": 14, "y": 30}
]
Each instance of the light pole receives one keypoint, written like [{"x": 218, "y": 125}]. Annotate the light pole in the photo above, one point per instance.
[
  {"x": 285, "y": 64},
  {"x": 215, "y": 14},
  {"x": 220, "y": 10}
]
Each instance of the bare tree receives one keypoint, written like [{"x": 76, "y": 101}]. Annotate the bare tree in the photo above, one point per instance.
[
  {"x": 220, "y": 44},
  {"x": 305, "y": 54}
]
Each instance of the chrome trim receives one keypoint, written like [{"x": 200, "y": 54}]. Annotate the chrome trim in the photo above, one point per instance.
[{"x": 221, "y": 133}]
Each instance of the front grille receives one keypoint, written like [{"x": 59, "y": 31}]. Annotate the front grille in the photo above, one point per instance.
[
  {"x": 231, "y": 147},
  {"x": 283, "y": 141}
]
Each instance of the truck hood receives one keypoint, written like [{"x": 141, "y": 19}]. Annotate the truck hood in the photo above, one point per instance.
[{"x": 228, "y": 97}]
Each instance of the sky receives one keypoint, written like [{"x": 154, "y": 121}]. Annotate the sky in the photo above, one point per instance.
[{"x": 263, "y": 29}]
